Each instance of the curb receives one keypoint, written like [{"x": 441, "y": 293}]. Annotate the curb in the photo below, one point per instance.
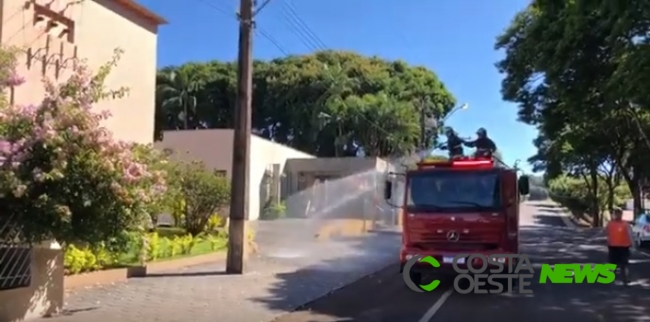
[{"x": 118, "y": 275}]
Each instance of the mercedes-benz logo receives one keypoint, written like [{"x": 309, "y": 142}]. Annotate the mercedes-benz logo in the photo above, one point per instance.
[{"x": 453, "y": 235}]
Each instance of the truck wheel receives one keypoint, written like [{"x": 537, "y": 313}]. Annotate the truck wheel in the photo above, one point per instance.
[{"x": 416, "y": 277}]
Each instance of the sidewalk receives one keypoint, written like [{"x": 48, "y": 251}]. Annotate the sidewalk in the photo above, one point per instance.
[{"x": 277, "y": 281}]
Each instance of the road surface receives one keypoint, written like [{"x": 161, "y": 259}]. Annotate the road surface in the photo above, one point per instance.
[
  {"x": 292, "y": 271},
  {"x": 546, "y": 239}
]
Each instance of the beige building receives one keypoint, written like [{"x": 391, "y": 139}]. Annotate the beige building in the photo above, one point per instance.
[
  {"x": 53, "y": 36},
  {"x": 307, "y": 184},
  {"x": 214, "y": 148}
]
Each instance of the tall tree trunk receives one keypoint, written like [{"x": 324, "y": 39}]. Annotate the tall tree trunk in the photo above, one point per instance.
[{"x": 595, "y": 203}]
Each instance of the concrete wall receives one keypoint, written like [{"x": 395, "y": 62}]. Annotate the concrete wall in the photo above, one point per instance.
[
  {"x": 45, "y": 294},
  {"x": 302, "y": 172},
  {"x": 264, "y": 154},
  {"x": 334, "y": 187},
  {"x": 99, "y": 27},
  {"x": 214, "y": 148}
]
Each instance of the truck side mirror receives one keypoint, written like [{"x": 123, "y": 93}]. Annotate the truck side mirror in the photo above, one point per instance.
[
  {"x": 388, "y": 190},
  {"x": 524, "y": 185}
]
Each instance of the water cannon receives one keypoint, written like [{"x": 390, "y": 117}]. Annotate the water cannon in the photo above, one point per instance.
[{"x": 459, "y": 163}]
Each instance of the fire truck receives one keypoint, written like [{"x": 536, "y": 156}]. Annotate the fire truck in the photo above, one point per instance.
[{"x": 467, "y": 205}]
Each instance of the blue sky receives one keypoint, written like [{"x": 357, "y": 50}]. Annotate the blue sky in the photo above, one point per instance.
[{"x": 455, "y": 39}]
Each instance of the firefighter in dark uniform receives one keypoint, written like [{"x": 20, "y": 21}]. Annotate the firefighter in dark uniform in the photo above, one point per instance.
[
  {"x": 483, "y": 144},
  {"x": 454, "y": 144}
]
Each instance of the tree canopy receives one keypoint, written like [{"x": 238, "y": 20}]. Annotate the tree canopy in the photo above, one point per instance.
[
  {"x": 329, "y": 103},
  {"x": 579, "y": 72}
]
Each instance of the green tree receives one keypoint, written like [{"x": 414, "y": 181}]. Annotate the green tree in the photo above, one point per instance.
[
  {"x": 564, "y": 66},
  {"x": 328, "y": 103},
  {"x": 176, "y": 91}
]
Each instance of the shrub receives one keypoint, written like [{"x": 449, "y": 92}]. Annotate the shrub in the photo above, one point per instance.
[
  {"x": 274, "y": 211},
  {"x": 154, "y": 250},
  {"x": 214, "y": 223},
  {"x": 203, "y": 192},
  {"x": 85, "y": 259},
  {"x": 576, "y": 195},
  {"x": 62, "y": 175},
  {"x": 74, "y": 260}
]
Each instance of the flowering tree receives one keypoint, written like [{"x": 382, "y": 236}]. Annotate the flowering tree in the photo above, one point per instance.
[{"x": 62, "y": 175}]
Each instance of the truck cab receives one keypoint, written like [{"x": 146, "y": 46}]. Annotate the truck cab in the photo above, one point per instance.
[{"x": 460, "y": 206}]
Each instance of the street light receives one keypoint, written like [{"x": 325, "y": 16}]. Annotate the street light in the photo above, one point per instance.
[
  {"x": 464, "y": 106},
  {"x": 433, "y": 123}
]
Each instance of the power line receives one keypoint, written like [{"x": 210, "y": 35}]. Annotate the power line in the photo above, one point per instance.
[
  {"x": 308, "y": 37},
  {"x": 261, "y": 7},
  {"x": 218, "y": 8},
  {"x": 257, "y": 29},
  {"x": 311, "y": 39},
  {"x": 272, "y": 40},
  {"x": 301, "y": 29}
]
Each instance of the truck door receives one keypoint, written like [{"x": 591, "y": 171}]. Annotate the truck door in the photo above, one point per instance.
[{"x": 511, "y": 207}]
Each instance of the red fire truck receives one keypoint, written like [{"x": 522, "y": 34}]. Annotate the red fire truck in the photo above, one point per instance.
[{"x": 462, "y": 206}]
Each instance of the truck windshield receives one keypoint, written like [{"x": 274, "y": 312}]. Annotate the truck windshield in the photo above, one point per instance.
[{"x": 453, "y": 191}]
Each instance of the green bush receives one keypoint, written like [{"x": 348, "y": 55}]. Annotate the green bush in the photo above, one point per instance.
[
  {"x": 85, "y": 259},
  {"x": 214, "y": 223},
  {"x": 78, "y": 260},
  {"x": 200, "y": 193},
  {"x": 274, "y": 211},
  {"x": 575, "y": 194}
]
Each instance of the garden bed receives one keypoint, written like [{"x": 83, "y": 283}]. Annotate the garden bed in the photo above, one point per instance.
[{"x": 168, "y": 248}]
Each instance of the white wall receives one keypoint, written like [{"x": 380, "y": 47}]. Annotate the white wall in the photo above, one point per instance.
[
  {"x": 214, "y": 148},
  {"x": 264, "y": 154}
]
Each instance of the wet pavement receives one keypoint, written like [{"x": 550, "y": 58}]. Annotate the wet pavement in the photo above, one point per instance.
[
  {"x": 325, "y": 281},
  {"x": 546, "y": 239}
]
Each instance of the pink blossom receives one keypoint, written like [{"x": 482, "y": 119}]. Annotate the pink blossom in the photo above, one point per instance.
[
  {"x": 133, "y": 172},
  {"x": 58, "y": 131},
  {"x": 14, "y": 80},
  {"x": 5, "y": 147}
]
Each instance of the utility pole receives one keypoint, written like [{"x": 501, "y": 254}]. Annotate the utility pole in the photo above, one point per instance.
[{"x": 241, "y": 143}]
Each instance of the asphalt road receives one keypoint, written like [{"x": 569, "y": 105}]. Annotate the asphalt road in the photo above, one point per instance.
[{"x": 546, "y": 239}]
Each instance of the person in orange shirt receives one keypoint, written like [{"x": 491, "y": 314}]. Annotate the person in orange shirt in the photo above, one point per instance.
[{"x": 619, "y": 239}]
